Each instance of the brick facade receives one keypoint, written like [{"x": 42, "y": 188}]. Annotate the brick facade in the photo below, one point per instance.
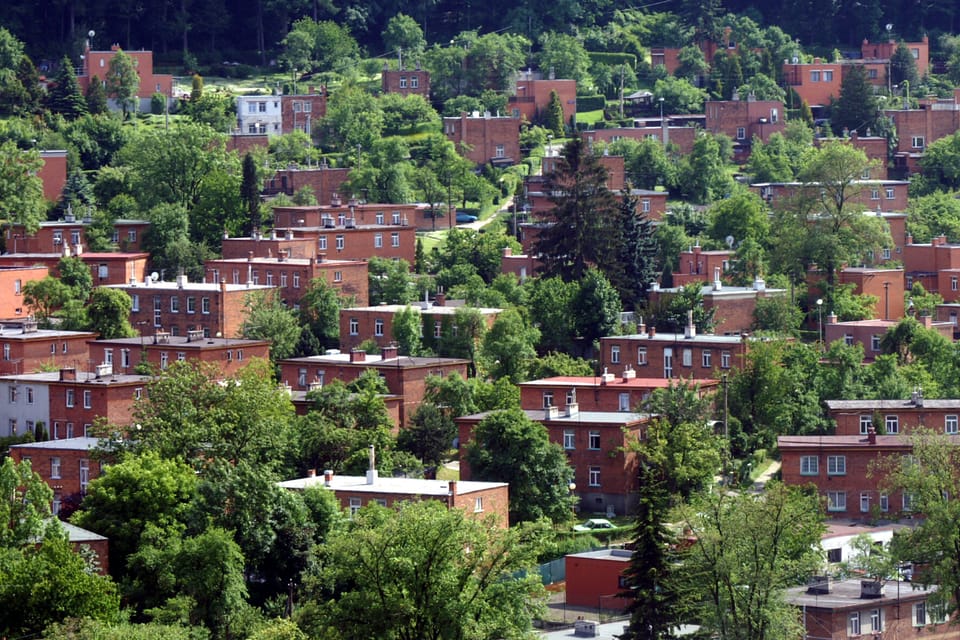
[
  {"x": 406, "y": 82},
  {"x": 887, "y": 285},
  {"x": 105, "y": 268},
  {"x": 293, "y": 275},
  {"x": 607, "y": 392},
  {"x": 673, "y": 355},
  {"x": 69, "y": 235},
  {"x": 97, "y": 63},
  {"x": 486, "y": 138},
  {"x": 363, "y": 323},
  {"x": 67, "y": 466},
  {"x": 872, "y": 195},
  {"x": 161, "y": 350},
  {"x": 323, "y": 181},
  {"x": 733, "y": 307},
  {"x": 301, "y": 112},
  {"x": 533, "y": 96},
  {"x": 680, "y": 136},
  {"x": 743, "y": 120},
  {"x": 697, "y": 265},
  {"x": 12, "y": 281},
  {"x": 25, "y": 349},
  {"x": 594, "y": 578},
  {"x": 53, "y": 174}
]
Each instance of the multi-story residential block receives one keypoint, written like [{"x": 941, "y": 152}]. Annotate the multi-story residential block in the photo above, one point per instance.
[
  {"x": 105, "y": 268},
  {"x": 681, "y": 136},
  {"x": 322, "y": 180},
  {"x": 405, "y": 376},
  {"x": 869, "y": 333},
  {"x": 67, "y": 466},
  {"x": 882, "y": 52},
  {"x": 606, "y": 392},
  {"x": 935, "y": 265},
  {"x": 485, "y": 138},
  {"x": 53, "y": 174},
  {"x": 404, "y": 81},
  {"x": 183, "y": 306},
  {"x": 437, "y": 319},
  {"x": 895, "y": 417},
  {"x": 848, "y": 609},
  {"x": 293, "y": 276},
  {"x": 300, "y": 111},
  {"x": 533, "y": 96},
  {"x": 12, "y": 281},
  {"x": 872, "y": 195},
  {"x": 733, "y": 307},
  {"x": 259, "y": 115},
  {"x": 476, "y": 499},
  {"x": 674, "y": 355},
  {"x": 697, "y": 265},
  {"x": 25, "y": 349},
  {"x": 815, "y": 82},
  {"x": 161, "y": 349},
  {"x": 744, "y": 119},
  {"x": 886, "y": 285},
  {"x": 69, "y": 234},
  {"x": 599, "y": 447},
  {"x": 96, "y": 64}
]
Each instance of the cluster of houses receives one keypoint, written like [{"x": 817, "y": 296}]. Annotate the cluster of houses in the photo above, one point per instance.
[{"x": 58, "y": 383}]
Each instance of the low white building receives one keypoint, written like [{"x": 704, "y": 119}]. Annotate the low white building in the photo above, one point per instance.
[{"x": 259, "y": 115}]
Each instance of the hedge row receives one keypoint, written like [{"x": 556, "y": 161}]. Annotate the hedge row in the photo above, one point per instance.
[
  {"x": 591, "y": 103},
  {"x": 613, "y": 59}
]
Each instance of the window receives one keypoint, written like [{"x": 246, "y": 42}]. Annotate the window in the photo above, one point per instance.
[
  {"x": 884, "y": 502},
  {"x": 668, "y": 363},
  {"x": 741, "y": 133},
  {"x": 13, "y": 395},
  {"x": 569, "y": 439},
  {"x": 828, "y": 75},
  {"x": 403, "y": 82},
  {"x": 874, "y": 194},
  {"x": 84, "y": 476},
  {"x": 875, "y": 342},
  {"x": 415, "y": 82},
  {"x": 907, "y": 502},
  {"x": 296, "y": 280},
  {"x": 377, "y": 240},
  {"x": 953, "y": 283},
  {"x": 191, "y": 304},
  {"x": 181, "y": 356},
  {"x": 547, "y": 399},
  {"x": 132, "y": 235},
  {"x": 174, "y": 304},
  {"x": 724, "y": 359},
  {"x": 836, "y": 501},
  {"x": 69, "y": 430},
  {"x": 774, "y": 116},
  {"x": 594, "y": 477},
  {"x": 865, "y": 423},
  {"x": 164, "y": 359},
  {"x": 135, "y": 302},
  {"x": 920, "y": 614},
  {"x": 917, "y": 142},
  {"x": 17, "y": 286},
  {"x": 892, "y": 424},
  {"x": 864, "y": 503},
  {"x": 500, "y": 151},
  {"x": 354, "y": 506},
  {"x": 378, "y": 327},
  {"x": 269, "y": 278},
  {"x": 54, "y": 467},
  {"x": 809, "y": 465},
  {"x": 87, "y": 398},
  {"x": 57, "y": 503},
  {"x": 354, "y": 326},
  {"x": 283, "y": 278},
  {"x": 338, "y": 276},
  {"x": 814, "y": 76},
  {"x": 70, "y": 399},
  {"x": 624, "y": 402},
  {"x": 836, "y": 465},
  {"x": 478, "y": 504},
  {"x": 853, "y": 624},
  {"x": 645, "y": 205},
  {"x": 339, "y": 240},
  {"x": 872, "y": 74},
  {"x": 705, "y": 359},
  {"x": 687, "y": 357},
  {"x": 381, "y": 501},
  {"x": 876, "y": 620},
  {"x": 834, "y": 555},
  {"x": 6, "y": 352},
  {"x": 322, "y": 243},
  {"x": 615, "y": 354},
  {"x": 138, "y": 393},
  {"x": 395, "y": 217},
  {"x": 594, "y": 440},
  {"x": 889, "y": 193},
  {"x": 950, "y": 424},
  {"x": 204, "y": 305},
  {"x": 394, "y": 239},
  {"x": 641, "y": 356},
  {"x": 262, "y": 107},
  {"x": 29, "y": 395}
]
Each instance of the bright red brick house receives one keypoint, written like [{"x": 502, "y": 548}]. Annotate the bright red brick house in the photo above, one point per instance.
[
  {"x": 96, "y": 64},
  {"x": 533, "y": 95}
]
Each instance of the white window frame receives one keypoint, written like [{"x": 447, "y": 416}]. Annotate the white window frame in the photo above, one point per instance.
[
  {"x": 951, "y": 424},
  {"x": 569, "y": 439},
  {"x": 809, "y": 465},
  {"x": 593, "y": 477},
  {"x": 853, "y": 623},
  {"x": 706, "y": 358},
  {"x": 615, "y": 354},
  {"x": 55, "y": 467},
  {"x": 594, "y": 441},
  {"x": 641, "y": 356},
  {"x": 836, "y": 500},
  {"x": 891, "y": 424},
  {"x": 836, "y": 465},
  {"x": 866, "y": 421}
]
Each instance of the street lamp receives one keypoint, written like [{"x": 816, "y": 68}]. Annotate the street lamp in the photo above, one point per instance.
[
  {"x": 820, "y": 321},
  {"x": 663, "y": 125},
  {"x": 549, "y": 144}
]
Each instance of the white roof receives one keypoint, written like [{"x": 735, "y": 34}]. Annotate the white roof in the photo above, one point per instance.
[{"x": 399, "y": 486}]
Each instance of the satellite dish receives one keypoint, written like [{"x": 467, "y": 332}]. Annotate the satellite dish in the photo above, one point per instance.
[
  {"x": 154, "y": 276},
  {"x": 729, "y": 241}
]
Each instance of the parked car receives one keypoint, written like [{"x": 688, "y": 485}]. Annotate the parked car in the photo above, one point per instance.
[
  {"x": 463, "y": 218},
  {"x": 595, "y": 524}
]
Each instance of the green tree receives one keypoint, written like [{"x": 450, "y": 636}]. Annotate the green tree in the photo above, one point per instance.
[
  {"x": 565, "y": 56},
  {"x": 556, "y": 363},
  {"x": 702, "y": 175},
  {"x": 941, "y": 165},
  {"x": 932, "y": 215},
  {"x": 549, "y": 302},
  {"x": 21, "y": 190},
  {"x": 673, "y": 313},
  {"x": 436, "y": 590},
  {"x": 268, "y": 319},
  {"x": 597, "y": 306},
  {"x": 406, "y": 330},
  {"x": 429, "y": 435},
  {"x": 25, "y": 506},
  {"x": 679, "y": 96},
  {"x": 390, "y": 281},
  {"x": 748, "y": 549},
  {"x": 250, "y": 193},
  {"x": 123, "y": 81},
  {"x": 742, "y": 216},
  {"x": 777, "y": 313},
  {"x": 64, "y": 96},
  {"x": 96, "y": 97},
  {"x": 584, "y": 216},
  {"x": 508, "y": 347},
  {"x": 320, "y": 312},
  {"x": 109, "y": 312},
  {"x": 507, "y": 446},
  {"x": 856, "y": 107},
  {"x": 354, "y": 117},
  {"x": 903, "y": 67},
  {"x": 647, "y": 164},
  {"x": 44, "y": 297},
  {"x": 403, "y": 33},
  {"x": 553, "y": 118}
]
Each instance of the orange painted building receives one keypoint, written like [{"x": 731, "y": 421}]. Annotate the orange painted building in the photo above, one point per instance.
[
  {"x": 12, "y": 281},
  {"x": 162, "y": 349},
  {"x": 881, "y": 52},
  {"x": 476, "y": 499},
  {"x": 533, "y": 96},
  {"x": 815, "y": 82},
  {"x": 935, "y": 265},
  {"x": 97, "y": 64},
  {"x": 53, "y": 174}
]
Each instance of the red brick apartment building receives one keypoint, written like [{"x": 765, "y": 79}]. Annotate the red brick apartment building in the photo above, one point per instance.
[
  {"x": 67, "y": 466},
  {"x": 404, "y": 376},
  {"x": 743, "y": 120},
  {"x": 24, "y": 348},
  {"x": 606, "y": 392},
  {"x": 733, "y": 306},
  {"x": 69, "y": 234},
  {"x": 815, "y": 82},
  {"x": 183, "y": 306},
  {"x": 844, "y": 610},
  {"x": 869, "y": 333},
  {"x": 293, "y": 275},
  {"x": 105, "y": 268},
  {"x": 269, "y": 245},
  {"x": 598, "y": 446},
  {"x": 697, "y": 265},
  {"x": 12, "y": 280},
  {"x": 674, "y": 355},
  {"x": 352, "y": 213},
  {"x": 533, "y": 95},
  {"x": 475, "y": 499},
  {"x": 344, "y": 239},
  {"x": 936, "y": 265},
  {"x": 437, "y": 319},
  {"x": 882, "y": 52},
  {"x": 874, "y": 195},
  {"x": 299, "y": 112},
  {"x": 887, "y": 285},
  {"x": 96, "y": 64},
  {"x": 406, "y": 82},
  {"x": 324, "y": 181},
  {"x": 53, "y": 174},
  {"x": 595, "y": 578},
  {"x": 918, "y": 128},
  {"x": 161, "y": 349},
  {"x": 485, "y": 138},
  {"x": 682, "y": 137}
]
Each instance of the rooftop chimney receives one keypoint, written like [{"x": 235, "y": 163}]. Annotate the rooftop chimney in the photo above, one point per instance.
[
  {"x": 372, "y": 471},
  {"x": 327, "y": 477},
  {"x": 358, "y": 355},
  {"x": 690, "y": 331},
  {"x": 68, "y": 373},
  {"x": 717, "y": 285},
  {"x": 389, "y": 352}
]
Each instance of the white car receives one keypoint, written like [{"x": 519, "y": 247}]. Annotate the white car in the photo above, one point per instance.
[{"x": 595, "y": 524}]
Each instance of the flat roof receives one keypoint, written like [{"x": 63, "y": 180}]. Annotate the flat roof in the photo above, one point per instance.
[
  {"x": 65, "y": 444},
  {"x": 711, "y": 338},
  {"x": 192, "y": 286},
  {"x": 397, "y": 486},
  {"x": 338, "y": 359},
  {"x": 433, "y": 309},
  {"x": 587, "y": 417},
  {"x": 619, "y": 555},
  {"x": 42, "y": 334},
  {"x": 840, "y": 529},
  {"x": 147, "y": 340},
  {"x": 278, "y": 261},
  {"x": 83, "y": 377},
  {"x": 618, "y": 381},
  {"x": 845, "y": 594},
  {"x": 925, "y": 403}
]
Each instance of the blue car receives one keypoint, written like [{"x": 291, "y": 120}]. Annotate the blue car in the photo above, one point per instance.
[{"x": 463, "y": 218}]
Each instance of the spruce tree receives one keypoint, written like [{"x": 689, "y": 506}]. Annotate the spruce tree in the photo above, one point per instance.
[
  {"x": 638, "y": 254},
  {"x": 903, "y": 66},
  {"x": 250, "y": 193},
  {"x": 856, "y": 109},
  {"x": 64, "y": 96},
  {"x": 648, "y": 583},
  {"x": 96, "y": 96},
  {"x": 29, "y": 79},
  {"x": 553, "y": 119}
]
